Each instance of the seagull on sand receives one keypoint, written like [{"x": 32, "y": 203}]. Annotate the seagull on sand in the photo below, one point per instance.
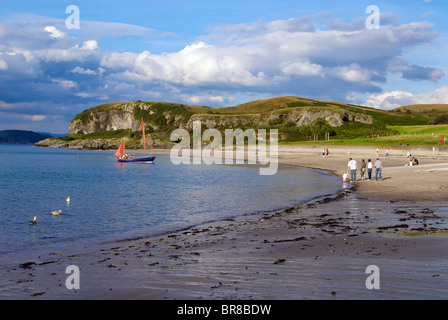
[
  {"x": 34, "y": 221},
  {"x": 56, "y": 213}
]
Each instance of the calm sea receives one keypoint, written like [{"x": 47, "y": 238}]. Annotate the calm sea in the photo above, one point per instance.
[{"x": 112, "y": 201}]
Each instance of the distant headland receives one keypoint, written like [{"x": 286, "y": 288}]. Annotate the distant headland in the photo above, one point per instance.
[{"x": 21, "y": 137}]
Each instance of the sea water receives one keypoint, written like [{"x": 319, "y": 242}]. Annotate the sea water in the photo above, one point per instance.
[{"x": 112, "y": 201}]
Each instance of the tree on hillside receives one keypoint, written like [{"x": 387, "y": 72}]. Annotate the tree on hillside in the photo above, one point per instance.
[{"x": 442, "y": 119}]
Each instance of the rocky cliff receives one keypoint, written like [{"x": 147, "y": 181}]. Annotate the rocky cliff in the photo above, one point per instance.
[
  {"x": 128, "y": 116},
  {"x": 296, "y": 116}
]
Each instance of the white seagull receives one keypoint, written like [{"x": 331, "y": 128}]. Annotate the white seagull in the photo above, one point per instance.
[
  {"x": 56, "y": 213},
  {"x": 68, "y": 199}
]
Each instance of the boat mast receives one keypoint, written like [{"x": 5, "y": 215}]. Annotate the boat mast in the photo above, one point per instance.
[{"x": 144, "y": 140}]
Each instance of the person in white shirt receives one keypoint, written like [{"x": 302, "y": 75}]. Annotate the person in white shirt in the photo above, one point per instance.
[
  {"x": 369, "y": 168},
  {"x": 352, "y": 166}
]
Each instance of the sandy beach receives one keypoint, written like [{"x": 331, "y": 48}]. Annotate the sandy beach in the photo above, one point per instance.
[{"x": 318, "y": 250}]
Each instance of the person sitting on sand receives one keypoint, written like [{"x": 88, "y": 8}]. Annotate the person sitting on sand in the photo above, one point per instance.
[{"x": 415, "y": 162}]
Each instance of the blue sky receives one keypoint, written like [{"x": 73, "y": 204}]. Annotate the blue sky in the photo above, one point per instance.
[{"x": 215, "y": 53}]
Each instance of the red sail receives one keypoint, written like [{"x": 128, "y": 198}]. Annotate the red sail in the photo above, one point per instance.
[{"x": 120, "y": 150}]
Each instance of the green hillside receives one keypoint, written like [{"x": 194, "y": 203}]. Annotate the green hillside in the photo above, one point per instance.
[
  {"x": 438, "y": 113},
  {"x": 298, "y": 120}
]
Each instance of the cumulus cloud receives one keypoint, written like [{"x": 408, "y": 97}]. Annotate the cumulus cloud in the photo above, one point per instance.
[
  {"x": 90, "y": 45},
  {"x": 395, "y": 99},
  {"x": 303, "y": 68},
  {"x": 79, "y": 70},
  {"x": 390, "y": 100},
  {"x": 261, "y": 54},
  {"x": 55, "y": 33}
]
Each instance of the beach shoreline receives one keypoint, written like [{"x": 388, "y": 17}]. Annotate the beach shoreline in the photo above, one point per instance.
[{"x": 317, "y": 250}]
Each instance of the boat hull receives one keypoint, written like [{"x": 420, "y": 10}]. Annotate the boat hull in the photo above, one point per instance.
[{"x": 147, "y": 159}]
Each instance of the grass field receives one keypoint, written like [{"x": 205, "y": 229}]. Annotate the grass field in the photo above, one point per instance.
[
  {"x": 437, "y": 130},
  {"x": 427, "y": 135}
]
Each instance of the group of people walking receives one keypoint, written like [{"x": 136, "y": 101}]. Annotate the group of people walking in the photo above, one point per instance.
[{"x": 366, "y": 167}]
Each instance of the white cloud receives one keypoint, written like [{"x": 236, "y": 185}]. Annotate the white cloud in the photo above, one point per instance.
[
  {"x": 196, "y": 64},
  {"x": 90, "y": 45},
  {"x": 395, "y": 99},
  {"x": 281, "y": 56},
  {"x": 35, "y": 117},
  {"x": 204, "y": 99},
  {"x": 55, "y": 33},
  {"x": 65, "y": 84},
  {"x": 352, "y": 73},
  {"x": 390, "y": 100},
  {"x": 85, "y": 95},
  {"x": 90, "y": 72},
  {"x": 79, "y": 70},
  {"x": 80, "y": 53},
  {"x": 304, "y": 68}
]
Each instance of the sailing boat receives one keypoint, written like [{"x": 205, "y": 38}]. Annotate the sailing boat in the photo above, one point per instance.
[{"x": 120, "y": 151}]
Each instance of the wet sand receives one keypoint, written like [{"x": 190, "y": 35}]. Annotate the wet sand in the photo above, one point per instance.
[{"x": 319, "y": 250}]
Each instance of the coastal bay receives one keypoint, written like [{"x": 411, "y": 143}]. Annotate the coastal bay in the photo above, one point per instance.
[{"x": 317, "y": 250}]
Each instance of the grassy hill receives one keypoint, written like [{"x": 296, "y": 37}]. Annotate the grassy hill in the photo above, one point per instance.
[
  {"x": 381, "y": 126},
  {"x": 298, "y": 120},
  {"x": 438, "y": 113}
]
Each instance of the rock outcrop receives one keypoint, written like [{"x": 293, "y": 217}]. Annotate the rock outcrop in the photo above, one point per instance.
[
  {"x": 334, "y": 117},
  {"x": 128, "y": 116},
  {"x": 298, "y": 116},
  {"x": 110, "y": 119}
]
